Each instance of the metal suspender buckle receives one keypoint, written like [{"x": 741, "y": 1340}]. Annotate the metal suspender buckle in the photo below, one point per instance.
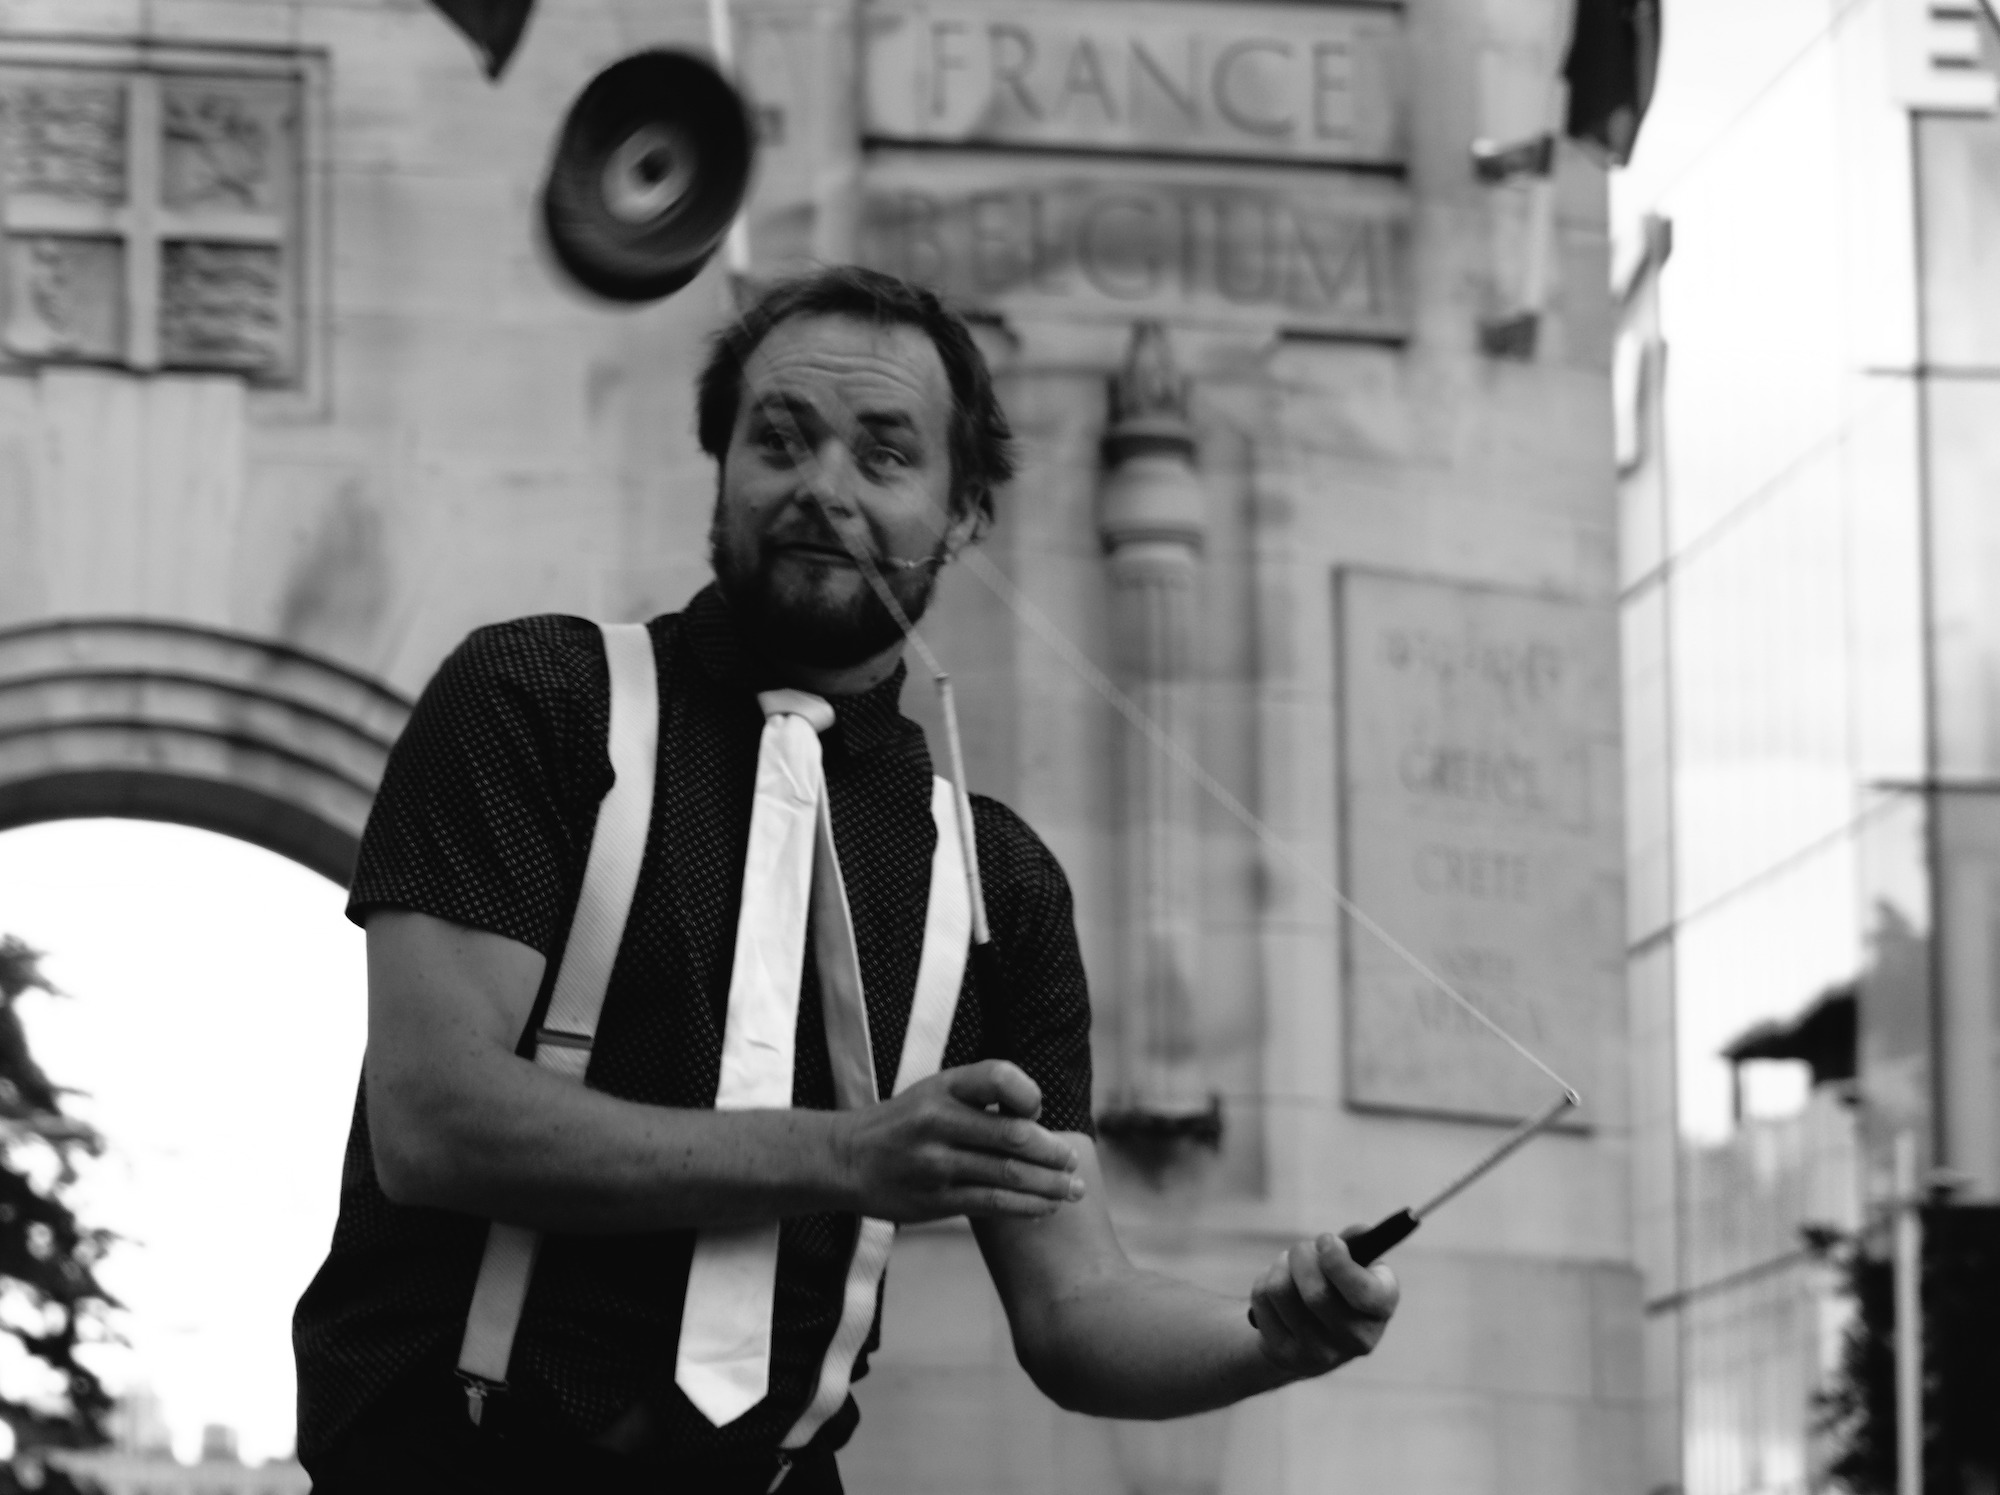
[
  {"x": 477, "y": 1390},
  {"x": 784, "y": 1472}
]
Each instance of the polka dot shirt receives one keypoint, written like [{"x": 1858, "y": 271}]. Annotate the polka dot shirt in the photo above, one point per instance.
[{"x": 484, "y": 818}]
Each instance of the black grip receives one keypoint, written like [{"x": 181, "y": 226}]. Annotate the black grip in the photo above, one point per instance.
[{"x": 1367, "y": 1247}]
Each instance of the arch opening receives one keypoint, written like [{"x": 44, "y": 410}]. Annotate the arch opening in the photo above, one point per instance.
[
  {"x": 177, "y": 799},
  {"x": 152, "y": 719},
  {"x": 210, "y": 1028}
]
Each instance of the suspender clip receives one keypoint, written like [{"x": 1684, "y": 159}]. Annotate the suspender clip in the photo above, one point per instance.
[
  {"x": 477, "y": 1389},
  {"x": 784, "y": 1472}
]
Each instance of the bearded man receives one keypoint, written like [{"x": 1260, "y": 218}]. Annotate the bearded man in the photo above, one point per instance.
[{"x": 698, "y": 1301}]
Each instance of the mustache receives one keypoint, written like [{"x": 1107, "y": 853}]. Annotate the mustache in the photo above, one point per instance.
[{"x": 812, "y": 529}]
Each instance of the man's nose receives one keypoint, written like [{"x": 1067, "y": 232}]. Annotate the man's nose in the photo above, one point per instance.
[{"x": 830, "y": 475}]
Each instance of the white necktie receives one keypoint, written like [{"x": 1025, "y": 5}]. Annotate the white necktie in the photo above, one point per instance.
[{"x": 723, "y": 1362}]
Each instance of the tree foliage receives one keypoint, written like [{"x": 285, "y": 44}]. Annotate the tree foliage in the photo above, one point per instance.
[
  {"x": 1961, "y": 1312},
  {"x": 50, "y": 1299}
]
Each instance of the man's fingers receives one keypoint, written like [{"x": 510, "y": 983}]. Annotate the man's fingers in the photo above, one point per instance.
[
  {"x": 1278, "y": 1325},
  {"x": 1011, "y": 1131},
  {"x": 1011, "y": 1175},
  {"x": 991, "y": 1203},
  {"x": 1010, "y": 1137},
  {"x": 1292, "y": 1312},
  {"x": 1371, "y": 1292},
  {"x": 995, "y": 1082},
  {"x": 1328, "y": 1309},
  {"x": 1315, "y": 1308}
]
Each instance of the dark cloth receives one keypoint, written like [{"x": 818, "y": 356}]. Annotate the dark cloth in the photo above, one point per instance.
[
  {"x": 484, "y": 818},
  {"x": 1614, "y": 57},
  {"x": 420, "y": 1443}
]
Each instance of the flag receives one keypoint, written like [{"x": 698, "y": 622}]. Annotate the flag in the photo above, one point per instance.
[
  {"x": 1614, "y": 52},
  {"x": 493, "y": 27}
]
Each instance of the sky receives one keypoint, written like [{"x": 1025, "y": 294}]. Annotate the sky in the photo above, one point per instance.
[
  {"x": 1744, "y": 152},
  {"x": 214, "y": 1020}
]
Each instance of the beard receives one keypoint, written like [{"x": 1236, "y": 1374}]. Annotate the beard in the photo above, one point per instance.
[{"x": 824, "y": 614}]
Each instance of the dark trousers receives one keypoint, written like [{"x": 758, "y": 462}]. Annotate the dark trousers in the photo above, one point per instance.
[{"x": 431, "y": 1448}]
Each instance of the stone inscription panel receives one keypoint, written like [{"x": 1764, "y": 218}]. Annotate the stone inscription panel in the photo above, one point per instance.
[
  {"x": 1470, "y": 725},
  {"x": 1308, "y": 83},
  {"x": 1314, "y": 254}
]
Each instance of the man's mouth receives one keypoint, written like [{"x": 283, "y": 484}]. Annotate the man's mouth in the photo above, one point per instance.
[{"x": 824, "y": 552}]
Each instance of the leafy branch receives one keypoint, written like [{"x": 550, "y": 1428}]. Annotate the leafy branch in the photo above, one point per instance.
[{"x": 51, "y": 1302}]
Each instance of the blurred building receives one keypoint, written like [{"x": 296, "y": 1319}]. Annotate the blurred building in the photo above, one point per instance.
[
  {"x": 1313, "y": 399},
  {"x": 140, "y": 1460},
  {"x": 1809, "y": 387}
]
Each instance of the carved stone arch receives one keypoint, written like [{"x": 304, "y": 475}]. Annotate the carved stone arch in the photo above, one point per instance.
[{"x": 157, "y": 720}]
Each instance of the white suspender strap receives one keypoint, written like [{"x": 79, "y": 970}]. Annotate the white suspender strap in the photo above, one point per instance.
[
  {"x": 940, "y": 972},
  {"x": 562, "y": 1044}
]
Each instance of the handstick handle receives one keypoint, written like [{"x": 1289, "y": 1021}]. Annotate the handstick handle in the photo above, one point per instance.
[
  {"x": 1378, "y": 1238},
  {"x": 1367, "y": 1247}
]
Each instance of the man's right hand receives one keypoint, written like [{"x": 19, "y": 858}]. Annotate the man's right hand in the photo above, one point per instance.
[{"x": 937, "y": 1150}]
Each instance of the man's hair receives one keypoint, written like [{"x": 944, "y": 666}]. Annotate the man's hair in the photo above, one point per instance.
[{"x": 981, "y": 442}]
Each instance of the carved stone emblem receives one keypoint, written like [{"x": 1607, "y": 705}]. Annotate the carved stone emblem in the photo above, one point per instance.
[
  {"x": 150, "y": 219},
  {"x": 66, "y": 140}
]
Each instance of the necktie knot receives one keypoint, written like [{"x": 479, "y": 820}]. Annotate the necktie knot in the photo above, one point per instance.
[{"x": 817, "y": 713}]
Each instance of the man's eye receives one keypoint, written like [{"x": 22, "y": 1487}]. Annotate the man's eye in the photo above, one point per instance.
[
  {"x": 883, "y": 459},
  {"x": 780, "y": 445}
]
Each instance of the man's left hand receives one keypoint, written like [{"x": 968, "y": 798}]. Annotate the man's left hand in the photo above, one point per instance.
[{"x": 1315, "y": 1308}]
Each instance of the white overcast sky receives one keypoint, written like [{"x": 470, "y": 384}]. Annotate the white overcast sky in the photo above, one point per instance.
[
  {"x": 1741, "y": 150},
  {"x": 215, "y": 1016}
]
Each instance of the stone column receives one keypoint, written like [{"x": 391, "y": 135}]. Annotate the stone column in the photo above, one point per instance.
[{"x": 1151, "y": 516}]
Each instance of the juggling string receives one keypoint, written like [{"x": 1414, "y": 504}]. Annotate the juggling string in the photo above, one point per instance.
[
  {"x": 1108, "y": 690},
  {"x": 1370, "y": 1244}
]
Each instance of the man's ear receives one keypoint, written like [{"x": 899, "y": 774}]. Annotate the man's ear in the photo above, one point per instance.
[{"x": 968, "y": 526}]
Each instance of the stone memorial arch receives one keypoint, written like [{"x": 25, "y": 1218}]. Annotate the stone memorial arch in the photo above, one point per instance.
[
  {"x": 291, "y": 400},
  {"x": 276, "y": 423},
  {"x": 151, "y": 719}
]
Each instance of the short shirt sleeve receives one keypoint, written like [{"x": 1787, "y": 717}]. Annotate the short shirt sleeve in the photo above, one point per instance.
[
  {"x": 1039, "y": 1016},
  {"x": 485, "y": 809}
]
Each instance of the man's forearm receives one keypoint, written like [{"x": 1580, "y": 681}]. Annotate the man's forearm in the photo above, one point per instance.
[
  {"x": 517, "y": 1143},
  {"x": 1100, "y": 1336},
  {"x": 458, "y": 1121},
  {"x": 1137, "y": 1344}
]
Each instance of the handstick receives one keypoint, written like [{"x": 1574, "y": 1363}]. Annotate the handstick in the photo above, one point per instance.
[
  {"x": 962, "y": 798},
  {"x": 1032, "y": 616},
  {"x": 1368, "y": 1247},
  {"x": 948, "y": 705},
  {"x": 1396, "y": 1227},
  {"x": 1378, "y": 1238}
]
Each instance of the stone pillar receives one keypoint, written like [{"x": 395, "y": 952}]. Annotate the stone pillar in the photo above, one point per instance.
[{"x": 1151, "y": 519}]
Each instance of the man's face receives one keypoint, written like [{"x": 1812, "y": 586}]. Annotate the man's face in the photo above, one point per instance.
[{"x": 841, "y": 443}]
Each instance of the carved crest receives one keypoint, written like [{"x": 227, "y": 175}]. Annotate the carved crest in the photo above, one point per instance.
[{"x": 149, "y": 219}]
